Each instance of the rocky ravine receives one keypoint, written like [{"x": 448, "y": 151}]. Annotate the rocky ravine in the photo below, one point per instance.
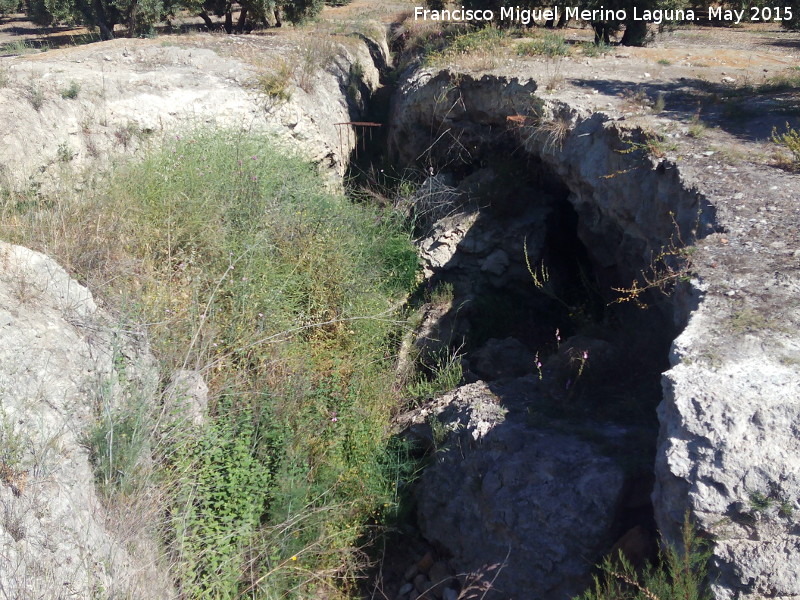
[
  {"x": 729, "y": 417},
  {"x": 727, "y": 450}
]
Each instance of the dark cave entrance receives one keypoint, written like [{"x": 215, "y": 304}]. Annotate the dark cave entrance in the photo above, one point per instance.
[{"x": 515, "y": 291}]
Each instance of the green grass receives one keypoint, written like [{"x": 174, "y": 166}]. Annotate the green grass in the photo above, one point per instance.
[
  {"x": 283, "y": 294},
  {"x": 789, "y": 140},
  {"x": 550, "y": 45},
  {"x": 593, "y": 50},
  {"x": 71, "y": 91},
  {"x": 35, "y": 95},
  {"x": 680, "y": 574},
  {"x": 452, "y": 43},
  {"x": 442, "y": 374},
  {"x": 17, "y": 48}
]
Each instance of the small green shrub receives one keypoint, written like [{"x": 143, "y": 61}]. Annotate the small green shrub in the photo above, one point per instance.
[
  {"x": 697, "y": 128},
  {"x": 760, "y": 502},
  {"x": 441, "y": 374},
  {"x": 119, "y": 436},
  {"x": 550, "y": 45},
  {"x": 660, "y": 103},
  {"x": 664, "y": 62},
  {"x": 35, "y": 95},
  {"x": 790, "y": 139},
  {"x": 681, "y": 574},
  {"x": 71, "y": 91},
  {"x": 593, "y": 50},
  {"x": 275, "y": 86},
  {"x": 355, "y": 80},
  {"x": 64, "y": 154},
  {"x": 12, "y": 442},
  {"x": 220, "y": 505},
  {"x": 125, "y": 134}
]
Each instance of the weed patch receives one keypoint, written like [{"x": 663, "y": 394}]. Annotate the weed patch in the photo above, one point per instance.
[
  {"x": 550, "y": 45},
  {"x": 35, "y": 95},
  {"x": 71, "y": 91},
  {"x": 681, "y": 574},
  {"x": 454, "y": 45},
  {"x": 789, "y": 140},
  {"x": 284, "y": 295}
]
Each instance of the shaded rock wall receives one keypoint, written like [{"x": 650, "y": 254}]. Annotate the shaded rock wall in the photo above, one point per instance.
[
  {"x": 727, "y": 448},
  {"x": 625, "y": 200}
]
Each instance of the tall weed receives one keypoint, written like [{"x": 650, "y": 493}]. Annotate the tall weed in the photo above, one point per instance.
[
  {"x": 681, "y": 574},
  {"x": 245, "y": 267}
]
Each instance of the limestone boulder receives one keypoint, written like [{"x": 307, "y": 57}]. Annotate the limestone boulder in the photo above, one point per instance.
[
  {"x": 63, "y": 366},
  {"x": 539, "y": 503}
]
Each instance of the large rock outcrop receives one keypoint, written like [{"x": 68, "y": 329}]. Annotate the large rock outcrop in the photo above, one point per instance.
[
  {"x": 63, "y": 364},
  {"x": 80, "y": 107},
  {"x": 727, "y": 449},
  {"x": 500, "y": 491}
]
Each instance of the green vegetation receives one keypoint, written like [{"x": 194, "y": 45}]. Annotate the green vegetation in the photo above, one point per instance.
[
  {"x": 790, "y": 140},
  {"x": 443, "y": 374},
  {"x": 71, "y": 91},
  {"x": 35, "y": 95},
  {"x": 761, "y": 502},
  {"x": 697, "y": 128},
  {"x": 275, "y": 86},
  {"x": 17, "y": 47},
  {"x": 139, "y": 17},
  {"x": 284, "y": 296},
  {"x": 448, "y": 44},
  {"x": 550, "y": 45},
  {"x": 681, "y": 574},
  {"x": 594, "y": 50},
  {"x": 8, "y": 6}
]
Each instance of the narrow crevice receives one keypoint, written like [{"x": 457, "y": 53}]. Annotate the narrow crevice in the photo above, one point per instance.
[{"x": 524, "y": 259}]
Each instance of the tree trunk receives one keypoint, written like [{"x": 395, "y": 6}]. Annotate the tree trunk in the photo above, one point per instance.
[
  {"x": 602, "y": 33},
  {"x": 278, "y": 17},
  {"x": 132, "y": 19},
  {"x": 242, "y": 20},
  {"x": 635, "y": 33},
  {"x": 106, "y": 30},
  {"x": 207, "y": 20},
  {"x": 228, "y": 19}
]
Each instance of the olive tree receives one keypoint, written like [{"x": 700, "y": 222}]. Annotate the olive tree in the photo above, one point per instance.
[{"x": 140, "y": 16}]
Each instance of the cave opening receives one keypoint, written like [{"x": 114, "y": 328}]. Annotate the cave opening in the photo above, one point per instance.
[
  {"x": 524, "y": 285},
  {"x": 531, "y": 311}
]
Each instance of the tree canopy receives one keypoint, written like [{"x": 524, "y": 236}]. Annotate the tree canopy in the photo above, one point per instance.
[
  {"x": 635, "y": 31},
  {"x": 140, "y": 16}
]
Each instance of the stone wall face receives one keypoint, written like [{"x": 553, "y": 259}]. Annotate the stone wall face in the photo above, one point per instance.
[
  {"x": 727, "y": 452},
  {"x": 62, "y": 359}
]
